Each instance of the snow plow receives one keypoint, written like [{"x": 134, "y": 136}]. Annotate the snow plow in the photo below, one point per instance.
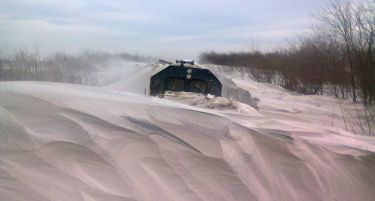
[{"x": 183, "y": 76}]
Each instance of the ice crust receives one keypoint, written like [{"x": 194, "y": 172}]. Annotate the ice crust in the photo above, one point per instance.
[{"x": 64, "y": 142}]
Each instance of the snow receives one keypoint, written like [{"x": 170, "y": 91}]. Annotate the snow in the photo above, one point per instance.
[
  {"x": 200, "y": 100},
  {"x": 71, "y": 142}
]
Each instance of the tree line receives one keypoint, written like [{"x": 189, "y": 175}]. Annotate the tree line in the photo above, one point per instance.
[
  {"x": 60, "y": 67},
  {"x": 338, "y": 58}
]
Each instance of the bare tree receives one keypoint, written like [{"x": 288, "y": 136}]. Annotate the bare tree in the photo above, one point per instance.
[
  {"x": 338, "y": 59},
  {"x": 364, "y": 49},
  {"x": 339, "y": 18}
]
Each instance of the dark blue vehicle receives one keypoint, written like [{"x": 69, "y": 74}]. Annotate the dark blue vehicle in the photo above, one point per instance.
[{"x": 183, "y": 76}]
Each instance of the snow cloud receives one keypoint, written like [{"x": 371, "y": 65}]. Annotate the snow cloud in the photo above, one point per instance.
[{"x": 162, "y": 28}]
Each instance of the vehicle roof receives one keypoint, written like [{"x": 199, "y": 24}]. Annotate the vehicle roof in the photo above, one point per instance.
[{"x": 160, "y": 66}]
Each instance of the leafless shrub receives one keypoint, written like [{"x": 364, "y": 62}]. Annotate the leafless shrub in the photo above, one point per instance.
[
  {"x": 337, "y": 59},
  {"x": 60, "y": 67}
]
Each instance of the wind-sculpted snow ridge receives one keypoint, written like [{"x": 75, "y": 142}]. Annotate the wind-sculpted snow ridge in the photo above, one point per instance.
[{"x": 64, "y": 142}]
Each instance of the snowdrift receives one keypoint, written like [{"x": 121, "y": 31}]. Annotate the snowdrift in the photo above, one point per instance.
[{"x": 69, "y": 142}]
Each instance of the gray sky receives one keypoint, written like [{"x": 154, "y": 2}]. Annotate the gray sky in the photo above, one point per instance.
[{"x": 163, "y": 28}]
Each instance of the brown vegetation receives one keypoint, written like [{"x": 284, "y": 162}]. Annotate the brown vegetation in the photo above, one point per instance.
[
  {"x": 60, "y": 67},
  {"x": 337, "y": 59}
]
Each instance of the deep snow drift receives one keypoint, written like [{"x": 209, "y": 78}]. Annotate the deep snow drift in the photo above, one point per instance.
[{"x": 70, "y": 142}]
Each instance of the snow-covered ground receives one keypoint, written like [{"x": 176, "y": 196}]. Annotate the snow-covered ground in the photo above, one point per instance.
[{"x": 71, "y": 142}]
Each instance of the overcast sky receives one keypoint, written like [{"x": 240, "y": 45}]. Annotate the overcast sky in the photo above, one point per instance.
[{"x": 164, "y": 28}]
